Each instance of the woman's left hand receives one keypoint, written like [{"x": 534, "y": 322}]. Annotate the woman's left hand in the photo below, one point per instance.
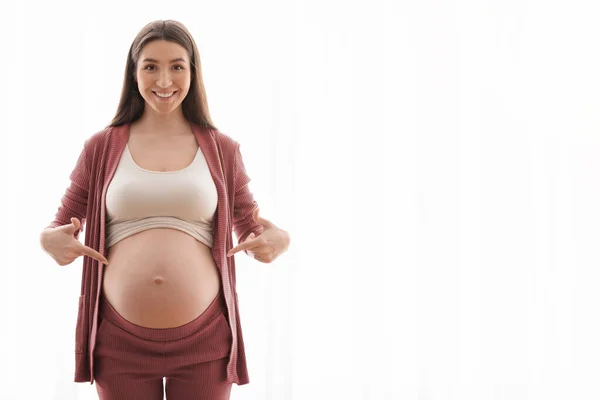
[{"x": 267, "y": 246}]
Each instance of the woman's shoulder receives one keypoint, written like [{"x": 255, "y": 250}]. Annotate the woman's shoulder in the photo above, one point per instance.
[
  {"x": 99, "y": 139},
  {"x": 102, "y": 136},
  {"x": 226, "y": 141}
]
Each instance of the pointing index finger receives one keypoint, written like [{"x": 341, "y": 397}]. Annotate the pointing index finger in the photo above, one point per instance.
[
  {"x": 88, "y": 251},
  {"x": 248, "y": 244}
]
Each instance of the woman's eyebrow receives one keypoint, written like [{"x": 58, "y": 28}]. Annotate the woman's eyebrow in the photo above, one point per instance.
[{"x": 153, "y": 60}]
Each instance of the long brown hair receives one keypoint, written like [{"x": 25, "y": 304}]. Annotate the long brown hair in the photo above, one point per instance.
[{"x": 195, "y": 104}]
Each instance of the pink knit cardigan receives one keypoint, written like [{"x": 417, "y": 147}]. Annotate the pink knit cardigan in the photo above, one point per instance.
[{"x": 85, "y": 199}]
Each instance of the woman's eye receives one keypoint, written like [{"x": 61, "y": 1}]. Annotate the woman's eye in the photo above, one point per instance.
[{"x": 177, "y": 66}]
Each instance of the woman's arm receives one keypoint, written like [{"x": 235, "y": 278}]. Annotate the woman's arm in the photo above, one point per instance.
[
  {"x": 244, "y": 203},
  {"x": 74, "y": 201},
  {"x": 247, "y": 221}
]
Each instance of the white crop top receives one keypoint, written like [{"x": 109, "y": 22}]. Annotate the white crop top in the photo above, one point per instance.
[{"x": 138, "y": 199}]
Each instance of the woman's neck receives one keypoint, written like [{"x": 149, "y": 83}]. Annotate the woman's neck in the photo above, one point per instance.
[{"x": 173, "y": 124}]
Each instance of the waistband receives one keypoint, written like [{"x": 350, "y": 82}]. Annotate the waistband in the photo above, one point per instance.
[{"x": 216, "y": 307}]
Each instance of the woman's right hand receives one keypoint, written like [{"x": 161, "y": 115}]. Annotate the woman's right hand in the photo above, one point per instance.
[{"x": 61, "y": 244}]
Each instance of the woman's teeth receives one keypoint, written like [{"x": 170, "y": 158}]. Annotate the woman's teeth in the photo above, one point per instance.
[{"x": 164, "y": 96}]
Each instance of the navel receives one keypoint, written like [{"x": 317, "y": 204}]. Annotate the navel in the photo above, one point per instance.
[{"x": 158, "y": 280}]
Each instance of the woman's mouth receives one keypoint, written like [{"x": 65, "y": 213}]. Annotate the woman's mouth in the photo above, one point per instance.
[{"x": 164, "y": 96}]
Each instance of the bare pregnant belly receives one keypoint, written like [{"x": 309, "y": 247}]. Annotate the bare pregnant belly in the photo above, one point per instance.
[{"x": 160, "y": 278}]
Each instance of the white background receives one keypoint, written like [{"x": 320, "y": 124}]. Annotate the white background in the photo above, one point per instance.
[{"x": 435, "y": 163}]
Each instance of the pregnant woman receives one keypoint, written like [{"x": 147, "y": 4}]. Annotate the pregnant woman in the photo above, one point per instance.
[{"x": 160, "y": 190}]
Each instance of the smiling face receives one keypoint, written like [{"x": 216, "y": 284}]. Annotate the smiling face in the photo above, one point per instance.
[{"x": 163, "y": 70}]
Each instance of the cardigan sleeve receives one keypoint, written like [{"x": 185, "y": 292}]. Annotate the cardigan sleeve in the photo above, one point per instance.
[
  {"x": 74, "y": 201},
  {"x": 244, "y": 203}
]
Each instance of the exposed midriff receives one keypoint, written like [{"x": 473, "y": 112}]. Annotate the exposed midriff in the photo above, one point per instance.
[{"x": 160, "y": 278}]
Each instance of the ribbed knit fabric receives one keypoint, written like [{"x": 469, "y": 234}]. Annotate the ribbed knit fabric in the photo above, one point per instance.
[
  {"x": 85, "y": 198},
  {"x": 131, "y": 360}
]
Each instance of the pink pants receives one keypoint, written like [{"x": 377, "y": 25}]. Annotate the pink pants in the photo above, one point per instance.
[{"x": 130, "y": 361}]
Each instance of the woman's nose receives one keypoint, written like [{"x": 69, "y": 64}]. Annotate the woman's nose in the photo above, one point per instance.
[{"x": 164, "y": 80}]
